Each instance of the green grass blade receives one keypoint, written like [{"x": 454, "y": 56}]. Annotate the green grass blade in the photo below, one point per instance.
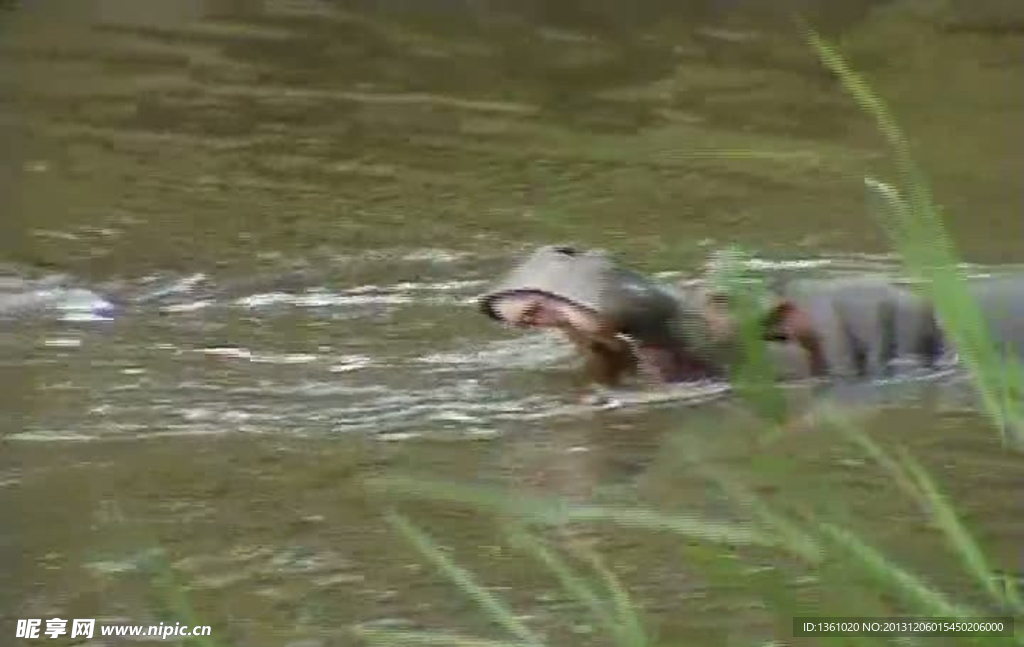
[
  {"x": 754, "y": 379},
  {"x": 891, "y": 577},
  {"x": 961, "y": 318},
  {"x": 916, "y": 229},
  {"x": 874, "y": 106},
  {"x": 491, "y": 604},
  {"x": 896, "y": 471},
  {"x": 792, "y": 536},
  {"x": 629, "y": 625},
  {"x": 173, "y": 598},
  {"x": 571, "y": 581},
  {"x": 1013, "y": 592},
  {"x": 914, "y": 480},
  {"x": 957, "y": 535},
  {"x": 554, "y": 511}
]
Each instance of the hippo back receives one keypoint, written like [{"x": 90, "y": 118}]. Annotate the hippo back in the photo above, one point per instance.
[{"x": 1001, "y": 300}]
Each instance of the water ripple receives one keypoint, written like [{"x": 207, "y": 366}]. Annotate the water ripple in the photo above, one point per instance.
[{"x": 197, "y": 355}]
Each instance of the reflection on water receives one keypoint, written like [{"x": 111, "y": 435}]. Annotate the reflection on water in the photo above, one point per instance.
[{"x": 242, "y": 240}]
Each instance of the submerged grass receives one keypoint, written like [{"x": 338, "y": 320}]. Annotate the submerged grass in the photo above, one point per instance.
[
  {"x": 497, "y": 610},
  {"x": 838, "y": 557},
  {"x": 172, "y": 600},
  {"x": 915, "y": 482},
  {"x": 861, "y": 578}
]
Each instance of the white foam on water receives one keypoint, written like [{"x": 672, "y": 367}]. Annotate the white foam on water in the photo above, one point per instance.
[
  {"x": 183, "y": 285},
  {"x": 284, "y": 358},
  {"x": 78, "y": 300},
  {"x": 51, "y": 435},
  {"x": 622, "y": 399},
  {"x": 77, "y": 316},
  {"x": 532, "y": 350},
  {"x": 62, "y": 342},
  {"x": 398, "y": 436},
  {"x": 351, "y": 363},
  {"x": 452, "y": 387},
  {"x": 441, "y": 286},
  {"x": 433, "y": 255},
  {"x": 191, "y": 306},
  {"x": 443, "y": 292},
  {"x": 227, "y": 351},
  {"x": 321, "y": 299}
]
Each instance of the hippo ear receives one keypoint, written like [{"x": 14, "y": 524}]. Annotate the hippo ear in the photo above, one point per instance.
[
  {"x": 718, "y": 299},
  {"x": 714, "y": 310},
  {"x": 780, "y": 321},
  {"x": 788, "y": 322}
]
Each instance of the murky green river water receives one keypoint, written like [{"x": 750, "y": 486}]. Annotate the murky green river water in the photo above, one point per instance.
[{"x": 292, "y": 204}]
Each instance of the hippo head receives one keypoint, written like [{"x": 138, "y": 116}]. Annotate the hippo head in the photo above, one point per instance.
[
  {"x": 585, "y": 293},
  {"x": 546, "y": 291}
]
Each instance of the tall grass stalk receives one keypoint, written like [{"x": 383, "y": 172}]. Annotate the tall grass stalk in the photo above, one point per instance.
[
  {"x": 630, "y": 628},
  {"x": 612, "y": 609},
  {"x": 546, "y": 510},
  {"x": 754, "y": 380},
  {"x": 891, "y": 577},
  {"x": 499, "y": 612},
  {"x": 915, "y": 482},
  {"x": 916, "y": 230},
  {"x": 172, "y": 598}
]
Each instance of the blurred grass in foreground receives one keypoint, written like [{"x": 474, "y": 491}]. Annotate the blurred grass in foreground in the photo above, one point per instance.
[{"x": 918, "y": 235}]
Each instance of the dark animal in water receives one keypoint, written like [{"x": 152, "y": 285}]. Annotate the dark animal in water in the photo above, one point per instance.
[
  {"x": 620, "y": 321},
  {"x": 624, "y": 323}
]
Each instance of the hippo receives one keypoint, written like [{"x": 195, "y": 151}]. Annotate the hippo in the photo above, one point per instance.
[
  {"x": 852, "y": 327},
  {"x": 870, "y": 327},
  {"x": 624, "y": 323},
  {"x": 1001, "y": 302},
  {"x": 621, "y": 322}
]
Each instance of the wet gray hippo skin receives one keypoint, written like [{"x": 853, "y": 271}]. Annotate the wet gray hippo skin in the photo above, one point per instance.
[
  {"x": 620, "y": 321},
  {"x": 1001, "y": 302},
  {"x": 868, "y": 327},
  {"x": 857, "y": 326}
]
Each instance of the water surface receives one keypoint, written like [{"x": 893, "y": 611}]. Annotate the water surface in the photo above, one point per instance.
[{"x": 253, "y": 232}]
